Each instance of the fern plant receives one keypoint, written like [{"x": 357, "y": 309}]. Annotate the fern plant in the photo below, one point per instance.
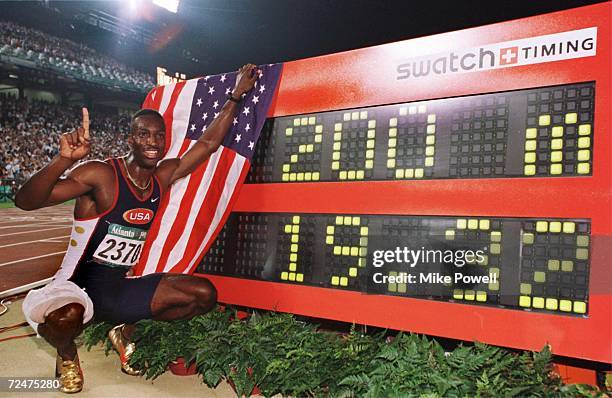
[
  {"x": 97, "y": 333},
  {"x": 284, "y": 356}
]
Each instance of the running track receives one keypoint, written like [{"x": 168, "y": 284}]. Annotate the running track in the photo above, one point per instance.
[{"x": 32, "y": 244}]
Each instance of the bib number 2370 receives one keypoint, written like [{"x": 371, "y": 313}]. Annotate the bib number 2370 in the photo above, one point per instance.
[{"x": 118, "y": 250}]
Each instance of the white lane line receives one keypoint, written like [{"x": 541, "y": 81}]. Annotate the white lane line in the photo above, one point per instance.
[
  {"x": 8, "y": 220},
  {"x": 53, "y": 241},
  {"x": 24, "y": 288},
  {"x": 46, "y": 217},
  {"x": 32, "y": 258},
  {"x": 38, "y": 230},
  {"x": 42, "y": 224},
  {"x": 54, "y": 224},
  {"x": 21, "y": 225},
  {"x": 36, "y": 241}
]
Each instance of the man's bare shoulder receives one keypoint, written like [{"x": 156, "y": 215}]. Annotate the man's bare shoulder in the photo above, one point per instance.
[
  {"x": 165, "y": 169},
  {"x": 92, "y": 171},
  {"x": 164, "y": 165}
]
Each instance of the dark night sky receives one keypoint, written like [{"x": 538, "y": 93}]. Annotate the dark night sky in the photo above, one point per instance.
[
  {"x": 274, "y": 30},
  {"x": 223, "y": 34}
]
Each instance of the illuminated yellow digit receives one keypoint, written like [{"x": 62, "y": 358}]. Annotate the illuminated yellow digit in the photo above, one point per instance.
[
  {"x": 584, "y": 149},
  {"x": 293, "y": 229},
  {"x": 430, "y": 140},
  {"x": 563, "y": 265},
  {"x": 353, "y": 174},
  {"x": 556, "y": 153},
  {"x": 495, "y": 250},
  {"x": 290, "y": 171},
  {"x": 356, "y": 254}
]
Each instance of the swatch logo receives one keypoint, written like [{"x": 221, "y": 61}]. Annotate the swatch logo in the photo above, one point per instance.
[
  {"x": 532, "y": 50},
  {"x": 508, "y": 56}
]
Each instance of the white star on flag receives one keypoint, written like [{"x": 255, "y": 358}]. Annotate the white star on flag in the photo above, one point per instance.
[
  {"x": 211, "y": 191},
  {"x": 255, "y": 99},
  {"x": 216, "y": 114},
  {"x": 192, "y": 127},
  {"x": 262, "y": 88}
]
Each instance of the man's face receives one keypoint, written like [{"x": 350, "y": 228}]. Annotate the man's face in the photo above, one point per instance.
[{"x": 147, "y": 140}]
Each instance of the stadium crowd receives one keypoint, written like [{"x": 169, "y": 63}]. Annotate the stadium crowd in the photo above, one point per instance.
[
  {"x": 68, "y": 57},
  {"x": 30, "y": 132}
]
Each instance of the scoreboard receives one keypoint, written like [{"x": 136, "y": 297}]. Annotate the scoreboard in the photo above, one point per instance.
[
  {"x": 536, "y": 264},
  {"x": 468, "y": 137},
  {"x": 502, "y": 148}
]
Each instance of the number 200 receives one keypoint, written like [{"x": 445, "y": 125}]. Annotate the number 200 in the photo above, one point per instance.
[{"x": 289, "y": 174}]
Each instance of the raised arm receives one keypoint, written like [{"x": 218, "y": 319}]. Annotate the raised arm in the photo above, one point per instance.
[
  {"x": 45, "y": 188},
  {"x": 173, "y": 169}
]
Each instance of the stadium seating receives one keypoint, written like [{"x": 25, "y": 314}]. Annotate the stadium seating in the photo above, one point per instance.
[
  {"x": 65, "y": 57},
  {"x": 30, "y": 132}
]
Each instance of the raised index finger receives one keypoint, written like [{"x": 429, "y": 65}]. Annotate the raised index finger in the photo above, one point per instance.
[{"x": 86, "y": 124}]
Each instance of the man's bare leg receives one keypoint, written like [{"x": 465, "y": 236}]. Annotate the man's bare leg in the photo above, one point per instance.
[
  {"x": 182, "y": 297},
  {"x": 176, "y": 297},
  {"x": 60, "y": 329}
]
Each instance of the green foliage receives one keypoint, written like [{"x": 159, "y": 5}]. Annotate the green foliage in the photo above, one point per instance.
[
  {"x": 158, "y": 343},
  {"x": 97, "y": 333},
  {"x": 413, "y": 366},
  {"x": 283, "y": 356}
]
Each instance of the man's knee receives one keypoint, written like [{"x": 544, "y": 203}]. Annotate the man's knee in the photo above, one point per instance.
[
  {"x": 66, "y": 317},
  {"x": 185, "y": 290},
  {"x": 206, "y": 293},
  {"x": 62, "y": 325}
]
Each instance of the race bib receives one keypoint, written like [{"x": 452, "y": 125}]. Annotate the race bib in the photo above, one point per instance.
[{"x": 121, "y": 245}]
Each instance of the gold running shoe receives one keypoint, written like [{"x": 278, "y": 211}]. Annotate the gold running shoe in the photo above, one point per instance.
[
  {"x": 125, "y": 351},
  {"x": 70, "y": 375}
]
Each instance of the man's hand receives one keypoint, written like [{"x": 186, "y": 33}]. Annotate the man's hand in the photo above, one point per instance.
[
  {"x": 170, "y": 170},
  {"x": 247, "y": 76},
  {"x": 75, "y": 145}
]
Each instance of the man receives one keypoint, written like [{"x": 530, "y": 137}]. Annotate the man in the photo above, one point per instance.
[{"x": 115, "y": 204}]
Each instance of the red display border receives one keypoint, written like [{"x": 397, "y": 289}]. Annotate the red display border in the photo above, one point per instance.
[{"x": 365, "y": 77}]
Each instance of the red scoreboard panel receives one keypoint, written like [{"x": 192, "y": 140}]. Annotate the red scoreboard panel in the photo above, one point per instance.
[{"x": 494, "y": 138}]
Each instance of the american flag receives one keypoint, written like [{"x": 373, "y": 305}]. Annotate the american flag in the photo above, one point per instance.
[{"x": 195, "y": 208}]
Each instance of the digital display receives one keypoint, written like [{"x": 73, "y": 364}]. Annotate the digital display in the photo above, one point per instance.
[
  {"x": 530, "y": 264},
  {"x": 524, "y": 263},
  {"x": 541, "y": 132}
]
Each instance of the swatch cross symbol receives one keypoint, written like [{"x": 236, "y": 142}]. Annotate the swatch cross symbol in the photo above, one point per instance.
[{"x": 508, "y": 55}]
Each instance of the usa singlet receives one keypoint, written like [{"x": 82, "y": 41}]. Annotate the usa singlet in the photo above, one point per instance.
[{"x": 114, "y": 238}]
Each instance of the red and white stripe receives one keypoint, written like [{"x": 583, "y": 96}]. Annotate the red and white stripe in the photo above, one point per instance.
[{"x": 195, "y": 208}]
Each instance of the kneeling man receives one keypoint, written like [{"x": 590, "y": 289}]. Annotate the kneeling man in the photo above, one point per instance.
[{"x": 116, "y": 201}]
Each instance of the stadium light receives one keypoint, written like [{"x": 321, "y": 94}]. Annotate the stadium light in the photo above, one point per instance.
[
  {"x": 134, "y": 7},
  {"x": 170, "y": 5}
]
